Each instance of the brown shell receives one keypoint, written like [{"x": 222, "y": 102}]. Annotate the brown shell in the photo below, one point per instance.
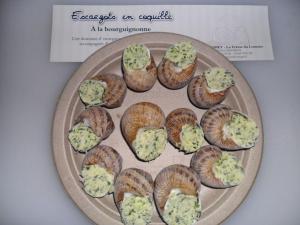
[
  {"x": 98, "y": 119},
  {"x": 141, "y": 80},
  {"x": 106, "y": 157},
  {"x": 200, "y": 96},
  {"x": 175, "y": 177},
  {"x": 175, "y": 120},
  {"x": 203, "y": 161},
  {"x": 116, "y": 89},
  {"x": 212, "y": 124},
  {"x": 141, "y": 115},
  {"x": 135, "y": 181},
  {"x": 172, "y": 79}
]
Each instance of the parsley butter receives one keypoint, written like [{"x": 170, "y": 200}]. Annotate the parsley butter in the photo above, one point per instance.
[
  {"x": 149, "y": 143},
  {"x": 191, "y": 138},
  {"x": 91, "y": 92},
  {"x": 136, "y": 57},
  {"x": 97, "y": 181},
  {"x": 136, "y": 210},
  {"x": 228, "y": 169},
  {"x": 218, "y": 79},
  {"x": 82, "y": 138},
  {"x": 181, "y": 54},
  {"x": 181, "y": 209},
  {"x": 243, "y": 131}
]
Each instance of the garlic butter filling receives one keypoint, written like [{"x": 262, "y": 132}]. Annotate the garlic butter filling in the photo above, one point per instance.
[
  {"x": 218, "y": 79},
  {"x": 228, "y": 169},
  {"x": 82, "y": 138},
  {"x": 181, "y": 209},
  {"x": 182, "y": 54},
  {"x": 150, "y": 143},
  {"x": 136, "y": 210},
  {"x": 136, "y": 57},
  {"x": 91, "y": 92},
  {"x": 242, "y": 130},
  {"x": 97, "y": 181},
  {"x": 191, "y": 138}
]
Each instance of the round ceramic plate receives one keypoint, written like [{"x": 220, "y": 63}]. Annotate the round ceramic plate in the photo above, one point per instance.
[{"x": 217, "y": 204}]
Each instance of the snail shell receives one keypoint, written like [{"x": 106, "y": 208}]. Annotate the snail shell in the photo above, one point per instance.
[
  {"x": 172, "y": 79},
  {"x": 98, "y": 119},
  {"x": 141, "y": 115},
  {"x": 200, "y": 96},
  {"x": 141, "y": 80},
  {"x": 116, "y": 89},
  {"x": 106, "y": 157},
  {"x": 175, "y": 177},
  {"x": 202, "y": 162},
  {"x": 175, "y": 120},
  {"x": 212, "y": 124},
  {"x": 134, "y": 181}
]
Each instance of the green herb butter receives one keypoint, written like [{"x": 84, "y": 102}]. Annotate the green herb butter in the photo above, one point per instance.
[
  {"x": 191, "y": 138},
  {"x": 181, "y": 209},
  {"x": 82, "y": 138},
  {"x": 218, "y": 79},
  {"x": 91, "y": 92},
  {"x": 149, "y": 143},
  {"x": 136, "y": 57},
  {"x": 243, "y": 131},
  {"x": 97, "y": 181},
  {"x": 181, "y": 54},
  {"x": 136, "y": 210},
  {"x": 228, "y": 169}
]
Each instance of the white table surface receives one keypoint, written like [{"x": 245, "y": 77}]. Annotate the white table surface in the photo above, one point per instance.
[{"x": 30, "y": 189}]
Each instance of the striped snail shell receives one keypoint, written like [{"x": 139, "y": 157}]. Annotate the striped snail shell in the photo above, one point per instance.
[
  {"x": 106, "y": 157},
  {"x": 200, "y": 96},
  {"x": 135, "y": 181},
  {"x": 115, "y": 91},
  {"x": 99, "y": 120},
  {"x": 175, "y": 120},
  {"x": 175, "y": 177}
]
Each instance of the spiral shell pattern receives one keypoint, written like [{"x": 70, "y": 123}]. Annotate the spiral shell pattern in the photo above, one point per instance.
[
  {"x": 135, "y": 181},
  {"x": 175, "y": 177},
  {"x": 141, "y": 80},
  {"x": 115, "y": 91},
  {"x": 212, "y": 124},
  {"x": 106, "y": 157},
  {"x": 141, "y": 115},
  {"x": 200, "y": 96},
  {"x": 175, "y": 120},
  {"x": 202, "y": 162},
  {"x": 172, "y": 79},
  {"x": 99, "y": 120}
]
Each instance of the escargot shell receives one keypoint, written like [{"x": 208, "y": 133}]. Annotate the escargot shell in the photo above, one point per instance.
[
  {"x": 106, "y": 157},
  {"x": 175, "y": 177},
  {"x": 141, "y": 80},
  {"x": 141, "y": 115},
  {"x": 115, "y": 91},
  {"x": 99, "y": 120},
  {"x": 175, "y": 120},
  {"x": 203, "y": 161},
  {"x": 134, "y": 181},
  {"x": 212, "y": 124},
  {"x": 200, "y": 96},
  {"x": 169, "y": 77}
]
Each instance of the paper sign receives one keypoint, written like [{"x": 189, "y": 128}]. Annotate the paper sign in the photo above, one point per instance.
[{"x": 239, "y": 32}]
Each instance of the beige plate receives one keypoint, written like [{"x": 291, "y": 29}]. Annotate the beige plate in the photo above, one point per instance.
[{"x": 217, "y": 204}]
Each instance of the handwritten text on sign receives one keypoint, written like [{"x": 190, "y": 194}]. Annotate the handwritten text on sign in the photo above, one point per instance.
[{"x": 239, "y": 32}]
